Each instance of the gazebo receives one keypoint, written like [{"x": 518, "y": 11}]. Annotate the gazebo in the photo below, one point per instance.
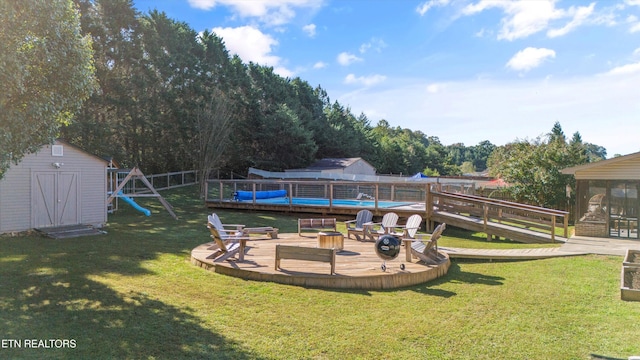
[{"x": 607, "y": 201}]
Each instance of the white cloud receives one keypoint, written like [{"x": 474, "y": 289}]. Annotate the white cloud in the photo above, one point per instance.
[
  {"x": 636, "y": 52},
  {"x": 320, "y": 65},
  {"x": 310, "y": 30},
  {"x": 632, "y": 2},
  {"x": 252, "y": 45},
  {"x": 530, "y": 58},
  {"x": 579, "y": 17},
  {"x": 364, "y": 80},
  {"x": 283, "y": 71},
  {"x": 203, "y": 4},
  {"x": 424, "y": 7},
  {"x": 375, "y": 44},
  {"x": 635, "y": 24},
  {"x": 271, "y": 12},
  {"x": 526, "y": 17},
  {"x": 345, "y": 58},
  {"x": 625, "y": 69},
  {"x": 434, "y": 88},
  {"x": 503, "y": 111}
]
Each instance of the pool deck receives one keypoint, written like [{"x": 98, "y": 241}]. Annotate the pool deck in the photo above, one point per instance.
[
  {"x": 357, "y": 266},
  {"x": 404, "y": 209}
]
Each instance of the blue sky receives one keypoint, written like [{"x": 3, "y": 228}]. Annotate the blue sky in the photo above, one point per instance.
[{"x": 462, "y": 70}]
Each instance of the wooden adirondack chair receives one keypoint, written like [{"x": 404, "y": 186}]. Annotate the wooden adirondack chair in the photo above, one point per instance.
[
  {"x": 356, "y": 227},
  {"x": 227, "y": 242},
  {"x": 427, "y": 250},
  {"x": 408, "y": 230},
  {"x": 375, "y": 230}
]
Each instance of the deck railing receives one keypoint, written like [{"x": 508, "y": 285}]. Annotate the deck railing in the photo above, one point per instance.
[
  {"x": 224, "y": 190},
  {"x": 428, "y": 196},
  {"x": 492, "y": 210}
]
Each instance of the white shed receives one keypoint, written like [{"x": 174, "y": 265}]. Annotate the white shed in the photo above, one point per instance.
[
  {"x": 58, "y": 185},
  {"x": 352, "y": 166}
]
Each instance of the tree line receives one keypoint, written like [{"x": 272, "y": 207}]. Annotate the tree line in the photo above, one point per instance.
[
  {"x": 150, "y": 91},
  {"x": 170, "y": 98}
]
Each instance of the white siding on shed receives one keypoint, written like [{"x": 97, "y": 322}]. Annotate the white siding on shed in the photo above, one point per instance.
[
  {"x": 16, "y": 188},
  {"x": 360, "y": 167}
]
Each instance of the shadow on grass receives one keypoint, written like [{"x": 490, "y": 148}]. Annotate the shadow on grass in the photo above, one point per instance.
[
  {"x": 50, "y": 290},
  {"x": 456, "y": 275}
]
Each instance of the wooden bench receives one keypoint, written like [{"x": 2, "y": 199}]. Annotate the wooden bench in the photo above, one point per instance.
[
  {"x": 316, "y": 224},
  {"x": 271, "y": 231},
  {"x": 306, "y": 253}
]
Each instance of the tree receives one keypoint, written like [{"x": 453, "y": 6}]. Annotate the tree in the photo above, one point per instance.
[
  {"x": 533, "y": 168},
  {"x": 46, "y": 73},
  {"x": 212, "y": 136}
]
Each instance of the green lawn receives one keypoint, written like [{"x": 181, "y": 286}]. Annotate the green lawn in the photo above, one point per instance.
[{"x": 133, "y": 294}]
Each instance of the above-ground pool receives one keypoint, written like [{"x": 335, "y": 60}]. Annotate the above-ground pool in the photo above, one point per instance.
[{"x": 325, "y": 202}]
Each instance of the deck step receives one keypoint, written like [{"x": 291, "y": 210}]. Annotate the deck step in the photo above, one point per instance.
[{"x": 70, "y": 231}]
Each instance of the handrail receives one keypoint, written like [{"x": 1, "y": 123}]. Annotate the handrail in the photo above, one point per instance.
[
  {"x": 505, "y": 202},
  {"x": 502, "y": 205}
]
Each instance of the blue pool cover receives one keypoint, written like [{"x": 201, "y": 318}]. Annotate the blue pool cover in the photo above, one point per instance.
[{"x": 324, "y": 202}]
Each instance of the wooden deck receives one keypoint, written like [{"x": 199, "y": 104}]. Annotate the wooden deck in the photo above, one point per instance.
[
  {"x": 509, "y": 254},
  {"x": 357, "y": 266}
]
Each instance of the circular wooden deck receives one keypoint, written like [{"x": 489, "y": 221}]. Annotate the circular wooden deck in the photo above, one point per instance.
[{"x": 357, "y": 266}]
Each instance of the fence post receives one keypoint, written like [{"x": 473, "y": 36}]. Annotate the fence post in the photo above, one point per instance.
[
  {"x": 553, "y": 228},
  {"x": 376, "y": 199},
  {"x": 291, "y": 194},
  {"x": 330, "y": 196},
  {"x": 428, "y": 204},
  {"x": 254, "y": 193}
]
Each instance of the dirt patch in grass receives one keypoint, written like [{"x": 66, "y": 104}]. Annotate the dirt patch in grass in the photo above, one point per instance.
[{"x": 632, "y": 279}]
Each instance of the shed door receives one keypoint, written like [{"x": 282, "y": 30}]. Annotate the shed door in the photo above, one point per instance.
[{"x": 55, "y": 199}]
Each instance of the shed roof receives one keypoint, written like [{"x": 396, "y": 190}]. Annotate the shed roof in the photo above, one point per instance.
[{"x": 334, "y": 163}]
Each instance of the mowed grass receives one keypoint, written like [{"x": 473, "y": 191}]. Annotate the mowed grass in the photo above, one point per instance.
[{"x": 132, "y": 294}]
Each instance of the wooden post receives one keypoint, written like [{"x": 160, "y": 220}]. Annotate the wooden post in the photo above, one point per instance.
[
  {"x": 553, "y": 228},
  {"x": 428, "y": 203},
  {"x": 254, "y": 192},
  {"x": 376, "y": 199},
  {"x": 330, "y": 196},
  {"x": 485, "y": 209},
  {"x": 291, "y": 194}
]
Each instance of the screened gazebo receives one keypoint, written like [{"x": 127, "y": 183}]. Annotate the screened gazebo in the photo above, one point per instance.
[{"x": 607, "y": 201}]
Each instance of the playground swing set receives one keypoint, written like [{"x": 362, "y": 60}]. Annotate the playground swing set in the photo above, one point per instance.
[{"x": 125, "y": 189}]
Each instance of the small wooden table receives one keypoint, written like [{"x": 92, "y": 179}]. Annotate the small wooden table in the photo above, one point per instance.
[{"x": 331, "y": 240}]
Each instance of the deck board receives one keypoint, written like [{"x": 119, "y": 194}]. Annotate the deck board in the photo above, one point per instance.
[{"x": 357, "y": 266}]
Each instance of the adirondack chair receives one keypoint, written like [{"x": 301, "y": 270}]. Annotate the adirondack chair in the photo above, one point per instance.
[
  {"x": 225, "y": 230},
  {"x": 427, "y": 250},
  {"x": 227, "y": 242},
  {"x": 375, "y": 230},
  {"x": 239, "y": 230},
  {"x": 356, "y": 227},
  {"x": 408, "y": 230}
]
